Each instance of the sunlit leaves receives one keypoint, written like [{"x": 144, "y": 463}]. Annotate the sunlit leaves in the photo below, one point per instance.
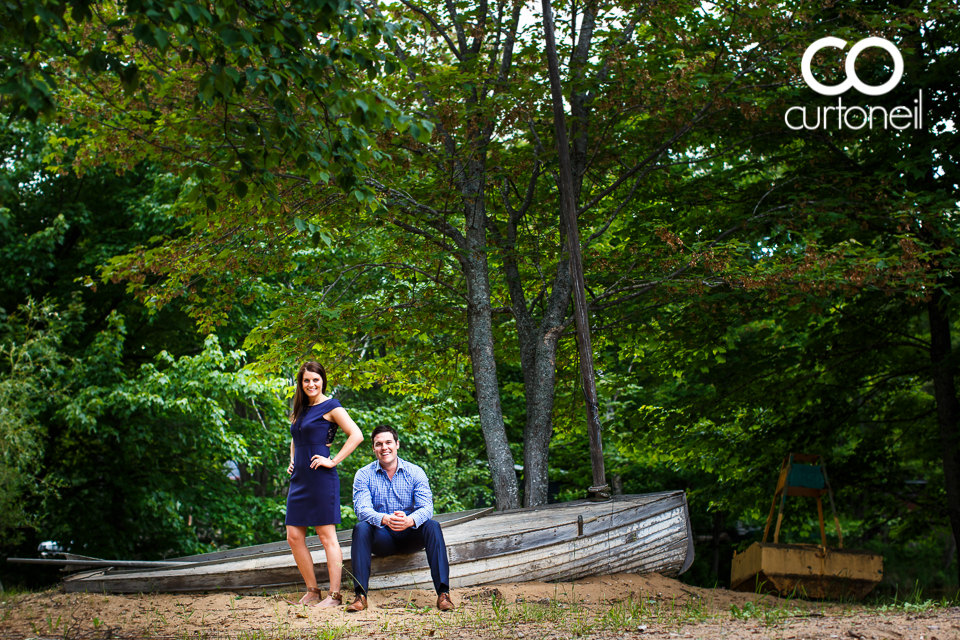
[{"x": 238, "y": 89}]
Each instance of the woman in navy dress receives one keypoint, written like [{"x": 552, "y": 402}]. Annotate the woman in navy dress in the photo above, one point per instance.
[{"x": 314, "y": 497}]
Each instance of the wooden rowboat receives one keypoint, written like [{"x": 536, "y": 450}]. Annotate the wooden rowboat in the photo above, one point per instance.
[{"x": 637, "y": 533}]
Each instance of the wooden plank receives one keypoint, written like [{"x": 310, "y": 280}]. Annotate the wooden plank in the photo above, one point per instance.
[
  {"x": 496, "y": 546},
  {"x": 644, "y": 532},
  {"x": 506, "y": 544},
  {"x": 691, "y": 553},
  {"x": 535, "y": 515},
  {"x": 583, "y": 567},
  {"x": 663, "y": 556},
  {"x": 600, "y": 553},
  {"x": 657, "y": 552},
  {"x": 503, "y": 523},
  {"x": 288, "y": 574},
  {"x": 144, "y": 564},
  {"x": 316, "y": 550}
]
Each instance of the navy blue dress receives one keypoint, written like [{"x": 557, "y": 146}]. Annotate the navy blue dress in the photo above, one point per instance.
[{"x": 314, "y": 497}]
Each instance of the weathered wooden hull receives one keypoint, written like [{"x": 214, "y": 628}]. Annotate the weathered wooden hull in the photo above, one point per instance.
[{"x": 641, "y": 533}]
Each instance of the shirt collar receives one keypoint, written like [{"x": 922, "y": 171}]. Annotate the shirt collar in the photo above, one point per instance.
[{"x": 379, "y": 468}]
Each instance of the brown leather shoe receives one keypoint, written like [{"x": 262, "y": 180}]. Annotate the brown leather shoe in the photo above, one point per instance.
[
  {"x": 444, "y": 603},
  {"x": 359, "y": 604}
]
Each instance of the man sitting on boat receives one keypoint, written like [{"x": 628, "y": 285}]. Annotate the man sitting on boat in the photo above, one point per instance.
[{"x": 394, "y": 505}]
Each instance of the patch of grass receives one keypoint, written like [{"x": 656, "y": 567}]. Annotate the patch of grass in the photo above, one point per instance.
[
  {"x": 330, "y": 631},
  {"x": 333, "y": 631},
  {"x": 767, "y": 613},
  {"x": 562, "y": 617},
  {"x": 550, "y": 612},
  {"x": 53, "y": 625},
  {"x": 16, "y": 591},
  {"x": 914, "y": 600},
  {"x": 183, "y": 613}
]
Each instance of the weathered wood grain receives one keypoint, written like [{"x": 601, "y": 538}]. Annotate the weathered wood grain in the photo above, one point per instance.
[{"x": 646, "y": 532}]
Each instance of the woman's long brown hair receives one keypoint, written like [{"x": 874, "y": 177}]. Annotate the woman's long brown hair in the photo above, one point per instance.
[{"x": 300, "y": 400}]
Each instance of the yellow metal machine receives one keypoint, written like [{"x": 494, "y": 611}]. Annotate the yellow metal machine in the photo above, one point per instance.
[{"x": 806, "y": 570}]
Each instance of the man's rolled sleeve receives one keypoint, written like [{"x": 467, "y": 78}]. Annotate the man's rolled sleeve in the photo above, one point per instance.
[
  {"x": 422, "y": 499},
  {"x": 363, "y": 500}
]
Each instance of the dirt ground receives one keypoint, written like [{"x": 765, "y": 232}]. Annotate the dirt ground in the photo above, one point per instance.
[{"x": 606, "y": 607}]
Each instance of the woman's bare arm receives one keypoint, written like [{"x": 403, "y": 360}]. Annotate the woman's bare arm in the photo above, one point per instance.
[{"x": 354, "y": 438}]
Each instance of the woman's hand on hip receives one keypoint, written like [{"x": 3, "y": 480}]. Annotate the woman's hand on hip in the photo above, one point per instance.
[
  {"x": 290, "y": 468},
  {"x": 321, "y": 461}
]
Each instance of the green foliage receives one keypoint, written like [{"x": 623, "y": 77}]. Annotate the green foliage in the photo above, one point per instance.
[
  {"x": 784, "y": 305},
  {"x": 149, "y": 452},
  {"x": 754, "y": 291},
  {"x": 919, "y": 562},
  {"x": 231, "y": 95},
  {"x": 31, "y": 365},
  {"x": 132, "y": 414},
  {"x": 435, "y": 433}
]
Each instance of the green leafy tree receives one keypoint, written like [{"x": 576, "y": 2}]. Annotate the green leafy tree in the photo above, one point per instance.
[
  {"x": 232, "y": 95},
  {"x": 85, "y": 360},
  {"x": 31, "y": 370},
  {"x": 469, "y": 231},
  {"x": 150, "y": 454},
  {"x": 825, "y": 325},
  {"x": 646, "y": 88}
]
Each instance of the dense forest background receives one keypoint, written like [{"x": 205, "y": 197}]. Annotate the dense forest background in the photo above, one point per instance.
[{"x": 195, "y": 198}]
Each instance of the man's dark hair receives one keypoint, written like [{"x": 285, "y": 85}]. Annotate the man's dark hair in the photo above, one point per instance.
[{"x": 384, "y": 428}]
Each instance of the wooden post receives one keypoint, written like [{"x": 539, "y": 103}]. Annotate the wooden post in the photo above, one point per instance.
[
  {"x": 823, "y": 531},
  {"x": 600, "y": 490}
]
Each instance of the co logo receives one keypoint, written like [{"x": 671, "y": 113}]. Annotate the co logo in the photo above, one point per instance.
[{"x": 852, "y": 79}]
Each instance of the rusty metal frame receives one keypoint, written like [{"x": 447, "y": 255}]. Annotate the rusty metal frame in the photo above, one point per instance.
[{"x": 784, "y": 488}]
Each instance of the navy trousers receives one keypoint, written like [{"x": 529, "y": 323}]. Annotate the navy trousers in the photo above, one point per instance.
[{"x": 383, "y": 541}]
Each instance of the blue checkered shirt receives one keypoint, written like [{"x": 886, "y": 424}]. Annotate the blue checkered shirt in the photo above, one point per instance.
[{"x": 375, "y": 495}]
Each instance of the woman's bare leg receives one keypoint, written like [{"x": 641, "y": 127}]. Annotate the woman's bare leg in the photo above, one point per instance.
[
  {"x": 297, "y": 539},
  {"x": 331, "y": 546}
]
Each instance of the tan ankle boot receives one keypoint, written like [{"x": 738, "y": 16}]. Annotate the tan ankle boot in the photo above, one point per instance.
[
  {"x": 359, "y": 604},
  {"x": 444, "y": 603}
]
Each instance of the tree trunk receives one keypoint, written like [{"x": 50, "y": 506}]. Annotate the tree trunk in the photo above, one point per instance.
[
  {"x": 538, "y": 343},
  {"x": 948, "y": 408},
  {"x": 538, "y": 383},
  {"x": 473, "y": 260},
  {"x": 480, "y": 337},
  {"x": 599, "y": 490},
  {"x": 715, "y": 542},
  {"x": 538, "y": 361},
  {"x": 539, "y": 379},
  {"x": 616, "y": 484}
]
